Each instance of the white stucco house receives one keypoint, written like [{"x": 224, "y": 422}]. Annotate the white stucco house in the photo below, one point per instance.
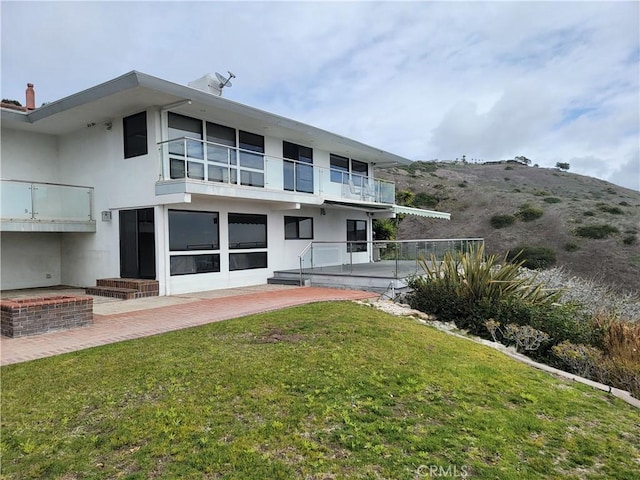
[{"x": 140, "y": 177}]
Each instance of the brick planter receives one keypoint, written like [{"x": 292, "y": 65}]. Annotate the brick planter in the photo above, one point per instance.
[{"x": 29, "y": 316}]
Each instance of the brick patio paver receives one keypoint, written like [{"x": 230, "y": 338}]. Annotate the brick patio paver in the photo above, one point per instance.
[{"x": 118, "y": 327}]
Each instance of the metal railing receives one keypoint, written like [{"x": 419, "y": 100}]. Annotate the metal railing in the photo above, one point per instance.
[
  {"x": 37, "y": 201},
  {"x": 212, "y": 162},
  {"x": 385, "y": 258}
]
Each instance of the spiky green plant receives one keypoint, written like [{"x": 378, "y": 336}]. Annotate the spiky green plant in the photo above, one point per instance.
[{"x": 479, "y": 277}]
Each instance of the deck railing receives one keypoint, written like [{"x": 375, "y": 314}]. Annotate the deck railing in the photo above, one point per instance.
[
  {"x": 385, "y": 258},
  {"x": 212, "y": 162},
  {"x": 37, "y": 201}
]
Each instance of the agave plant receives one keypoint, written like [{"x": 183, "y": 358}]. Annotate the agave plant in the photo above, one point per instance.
[{"x": 475, "y": 276}]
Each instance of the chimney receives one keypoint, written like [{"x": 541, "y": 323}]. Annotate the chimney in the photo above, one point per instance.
[{"x": 31, "y": 97}]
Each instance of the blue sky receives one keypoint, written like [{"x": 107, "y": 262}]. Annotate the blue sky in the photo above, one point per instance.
[{"x": 553, "y": 81}]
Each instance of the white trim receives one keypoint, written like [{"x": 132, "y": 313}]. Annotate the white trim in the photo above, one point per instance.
[{"x": 420, "y": 212}]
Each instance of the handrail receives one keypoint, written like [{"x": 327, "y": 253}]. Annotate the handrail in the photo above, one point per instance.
[
  {"x": 24, "y": 200},
  {"x": 45, "y": 183},
  {"x": 397, "y": 252},
  {"x": 252, "y": 152},
  {"x": 398, "y": 241},
  {"x": 301, "y": 258}
]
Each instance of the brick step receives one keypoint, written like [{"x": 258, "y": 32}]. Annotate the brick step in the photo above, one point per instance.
[
  {"x": 287, "y": 281},
  {"x": 138, "y": 284},
  {"x": 114, "y": 292}
]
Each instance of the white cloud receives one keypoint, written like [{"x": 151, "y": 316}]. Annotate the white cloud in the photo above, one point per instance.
[{"x": 550, "y": 81}]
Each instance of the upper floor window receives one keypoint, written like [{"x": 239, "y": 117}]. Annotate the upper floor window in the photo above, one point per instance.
[
  {"x": 134, "y": 128},
  {"x": 339, "y": 169},
  {"x": 345, "y": 169},
  {"x": 298, "y": 174},
  {"x": 181, "y": 126},
  {"x": 253, "y": 172},
  {"x": 207, "y": 151}
]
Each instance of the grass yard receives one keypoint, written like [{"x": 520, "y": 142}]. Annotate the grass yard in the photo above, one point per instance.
[{"x": 323, "y": 391}]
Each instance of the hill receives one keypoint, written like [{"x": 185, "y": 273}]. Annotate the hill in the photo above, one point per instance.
[{"x": 565, "y": 202}]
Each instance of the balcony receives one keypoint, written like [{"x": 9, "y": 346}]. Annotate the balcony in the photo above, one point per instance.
[
  {"x": 195, "y": 166},
  {"x": 377, "y": 266},
  {"x": 45, "y": 207}
]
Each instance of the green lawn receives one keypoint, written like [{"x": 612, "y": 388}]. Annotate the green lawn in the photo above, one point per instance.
[{"x": 323, "y": 391}]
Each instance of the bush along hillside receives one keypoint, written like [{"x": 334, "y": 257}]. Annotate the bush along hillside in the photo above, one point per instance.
[
  {"x": 591, "y": 227},
  {"x": 574, "y": 325}
]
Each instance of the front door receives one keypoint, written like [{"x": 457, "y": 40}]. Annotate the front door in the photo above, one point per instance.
[{"x": 137, "y": 244}]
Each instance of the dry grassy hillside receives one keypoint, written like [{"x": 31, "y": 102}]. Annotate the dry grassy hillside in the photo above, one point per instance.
[{"x": 473, "y": 194}]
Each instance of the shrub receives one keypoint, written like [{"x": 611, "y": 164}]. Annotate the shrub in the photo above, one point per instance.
[
  {"x": 581, "y": 359},
  {"x": 501, "y": 221},
  {"x": 405, "y": 197},
  {"x": 630, "y": 239},
  {"x": 610, "y": 209},
  {"x": 616, "y": 364},
  {"x": 535, "y": 258},
  {"x": 420, "y": 166},
  {"x": 529, "y": 213},
  {"x": 596, "y": 231},
  {"x": 593, "y": 298},
  {"x": 622, "y": 340},
  {"x": 468, "y": 288},
  {"x": 551, "y": 200},
  {"x": 526, "y": 338},
  {"x": 508, "y": 167},
  {"x": 588, "y": 213},
  {"x": 384, "y": 229},
  {"x": 424, "y": 199},
  {"x": 571, "y": 247}
]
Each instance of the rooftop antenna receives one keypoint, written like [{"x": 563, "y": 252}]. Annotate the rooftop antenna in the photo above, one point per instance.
[{"x": 225, "y": 82}]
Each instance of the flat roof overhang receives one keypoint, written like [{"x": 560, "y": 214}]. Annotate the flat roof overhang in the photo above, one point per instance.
[{"x": 136, "y": 91}]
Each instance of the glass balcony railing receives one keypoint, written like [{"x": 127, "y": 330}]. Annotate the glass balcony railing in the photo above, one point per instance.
[
  {"x": 23, "y": 201},
  {"x": 211, "y": 162},
  {"x": 387, "y": 259}
]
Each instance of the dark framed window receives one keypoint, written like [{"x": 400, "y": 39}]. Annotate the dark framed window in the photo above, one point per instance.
[
  {"x": 134, "y": 129},
  {"x": 356, "y": 232},
  {"x": 221, "y": 135},
  {"x": 339, "y": 169},
  {"x": 298, "y": 228},
  {"x": 250, "y": 143},
  {"x": 247, "y": 260},
  {"x": 193, "y": 230},
  {"x": 221, "y": 157},
  {"x": 247, "y": 231},
  {"x": 298, "y": 175},
  {"x": 192, "y": 264},
  {"x": 183, "y": 126},
  {"x": 345, "y": 169}
]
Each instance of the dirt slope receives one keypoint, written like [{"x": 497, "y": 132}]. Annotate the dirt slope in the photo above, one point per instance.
[{"x": 474, "y": 193}]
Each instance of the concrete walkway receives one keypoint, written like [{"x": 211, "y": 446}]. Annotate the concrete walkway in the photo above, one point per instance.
[{"x": 116, "y": 321}]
